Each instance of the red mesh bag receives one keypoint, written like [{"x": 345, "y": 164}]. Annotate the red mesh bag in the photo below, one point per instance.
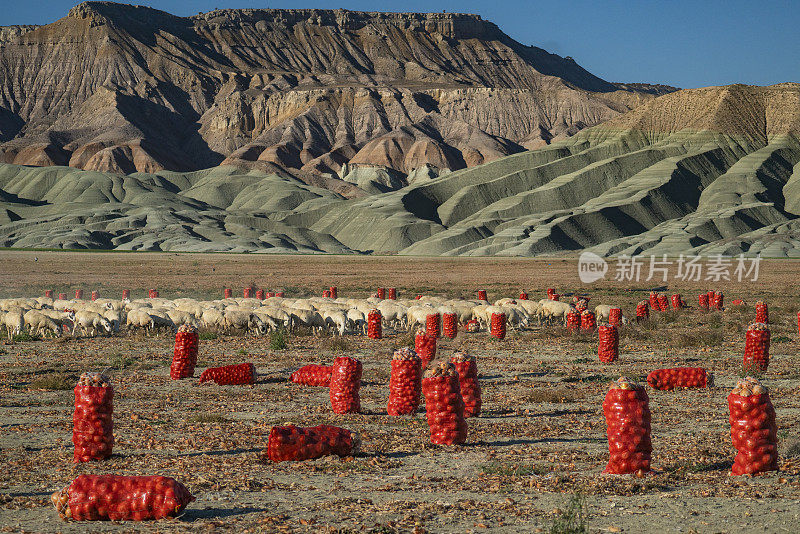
[
  {"x": 753, "y": 429},
  {"x": 467, "y": 369},
  {"x": 345, "y": 384},
  {"x": 573, "y": 320},
  {"x": 523, "y": 296},
  {"x": 391, "y": 293},
  {"x": 432, "y": 324},
  {"x": 642, "y": 311},
  {"x": 444, "y": 405},
  {"x": 295, "y": 444},
  {"x": 152, "y": 293},
  {"x": 95, "y": 295},
  {"x": 425, "y": 347},
  {"x": 381, "y": 293},
  {"x": 278, "y": 294},
  {"x": 550, "y": 292},
  {"x": 184, "y": 357},
  {"x": 228, "y": 293},
  {"x": 680, "y": 378},
  {"x": 126, "y": 293},
  {"x": 703, "y": 301},
  {"x": 313, "y": 375},
  {"x": 473, "y": 326},
  {"x": 482, "y": 295},
  {"x": 270, "y": 294},
  {"x": 48, "y": 293},
  {"x": 615, "y": 316},
  {"x": 374, "y": 326},
  {"x": 121, "y": 498},
  {"x": 762, "y": 313},
  {"x": 79, "y": 293},
  {"x": 718, "y": 301},
  {"x": 326, "y": 293},
  {"x": 737, "y": 302},
  {"x": 334, "y": 292},
  {"x": 608, "y": 346},
  {"x": 588, "y": 320},
  {"x": 555, "y": 296},
  {"x": 450, "y": 325},
  {"x": 230, "y": 375},
  {"x": 260, "y": 294},
  {"x": 654, "y": 300},
  {"x": 581, "y": 305},
  {"x": 405, "y": 382},
  {"x": 663, "y": 302},
  {"x": 756, "y": 347},
  {"x": 627, "y": 414},
  {"x": 498, "y": 326},
  {"x": 247, "y": 292},
  {"x": 62, "y": 296},
  {"x": 677, "y": 301},
  {"x": 92, "y": 422}
]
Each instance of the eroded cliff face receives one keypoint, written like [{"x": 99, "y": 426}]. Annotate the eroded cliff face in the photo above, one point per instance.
[{"x": 344, "y": 100}]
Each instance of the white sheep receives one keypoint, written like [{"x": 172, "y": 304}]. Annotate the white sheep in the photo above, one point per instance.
[{"x": 91, "y": 323}]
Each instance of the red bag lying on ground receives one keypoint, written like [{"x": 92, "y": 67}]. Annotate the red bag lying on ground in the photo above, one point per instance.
[
  {"x": 291, "y": 443},
  {"x": 184, "y": 358},
  {"x": 680, "y": 377},
  {"x": 473, "y": 326},
  {"x": 627, "y": 414},
  {"x": 313, "y": 375},
  {"x": 121, "y": 498},
  {"x": 405, "y": 382},
  {"x": 244, "y": 373},
  {"x": 756, "y": 347},
  {"x": 753, "y": 429},
  {"x": 608, "y": 345},
  {"x": 467, "y": 369},
  {"x": 444, "y": 405},
  {"x": 345, "y": 385},
  {"x": 425, "y": 347},
  {"x": 92, "y": 422}
]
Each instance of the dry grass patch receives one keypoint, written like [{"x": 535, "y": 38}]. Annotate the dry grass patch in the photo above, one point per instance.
[
  {"x": 554, "y": 395},
  {"x": 54, "y": 382}
]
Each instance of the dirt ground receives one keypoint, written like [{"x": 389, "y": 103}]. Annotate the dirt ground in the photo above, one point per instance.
[{"x": 539, "y": 441}]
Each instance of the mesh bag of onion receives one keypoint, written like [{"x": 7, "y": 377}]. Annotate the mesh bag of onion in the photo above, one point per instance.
[
  {"x": 230, "y": 375},
  {"x": 121, "y": 498},
  {"x": 345, "y": 385},
  {"x": 762, "y": 313},
  {"x": 432, "y": 321},
  {"x": 498, "y": 326},
  {"x": 628, "y": 428},
  {"x": 680, "y": 378},
  {"x": 184, "y": 358},
  {"x": 615, "y": 316},
  {"x": 753, "y": 429},
  {"x": 573, "y": 319},
  {"x": 405, "y": 382},
  {"x": 92, "y": 422},
  {"x": 608, "y": 345},
  {"x": 313, "y": 375},
  {"x": 467, "y": 369},
  {"x": 293, "y": 444},
  {"x": 642, "y": 311},
  {"x": 588, "y": 320},
  {"x": 444, "y": 405},
  {"x": 756, "y": 347},
  {"x": 425, "y": 346},
  {"x": 374, "y": 326},
  {"x": 450, "y": 325}
]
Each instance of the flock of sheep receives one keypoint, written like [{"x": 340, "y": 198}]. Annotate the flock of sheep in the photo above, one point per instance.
[{"x": 45, "y": 316}]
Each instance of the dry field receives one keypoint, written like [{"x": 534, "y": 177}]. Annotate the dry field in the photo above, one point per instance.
[{"x": 539, "y": 442}]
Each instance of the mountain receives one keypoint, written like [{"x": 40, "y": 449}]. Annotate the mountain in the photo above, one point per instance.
[
  {"x": 712, "y": 171},
  {"x": 353, "y": 102}
]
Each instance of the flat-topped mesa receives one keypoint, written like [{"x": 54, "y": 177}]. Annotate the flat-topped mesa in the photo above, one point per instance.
[{"x": 450, "y": 25}]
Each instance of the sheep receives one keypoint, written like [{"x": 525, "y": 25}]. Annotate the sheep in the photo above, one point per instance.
[
  {"x": 139, "y": 318},
  {"x": 309, "y": 318},
  {"x": 247, "y": 321},
  {"x": 356, "y": 320},
  {"x": 14, "y": 322},
  {"x": 180, "y": 317},
  {"x": 91, "y": 323},
  {"x": 554, "y": 310},
  {"x": 336, "y": 320},
  {"x": 39, "y": 323},
  {"x": 213, "y": 319}
]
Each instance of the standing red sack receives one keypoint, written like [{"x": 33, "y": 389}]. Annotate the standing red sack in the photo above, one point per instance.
[
  {"x": 762, "y": 313},
  {"x": 444, "y": 405},
  {"x": 497, "y": 328},
  {"x": 345, "y": 385},
  {"x": 374, "y": 324},
  {"x": 753, "y": 429},
  {"x": 450, "y": 325},
  {"x": 184, "y": 357},
  {"x": 573, "y": 319},
  {"x": 627, "y": 411},
  {"x": 432, "y": 321},
  {"x": 588, "y": 320},
  {"x": 405, "y": 382},
  {"x": 425, "y": 346},
  {"x": 703, "y": 301},
  {"x": 467, "y": 369},
  {"x": 92, "y": 421},
  {"x": 608, "y": 345},
  {"x": 642, "y": 311},
  {"x": 615, "y": 317},
  {"x": 756, "y": 347}
]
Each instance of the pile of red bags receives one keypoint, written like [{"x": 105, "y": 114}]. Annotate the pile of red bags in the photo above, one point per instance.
[
  {"x": 230, "y": 375},
  {"x": 467, "y": 369},
  {"x": 432, "y": 325},
  {"x": 679, "y": 378},
  {"x": 405, "y": 382},
  {"x": 450, "y": 325},
  {"x": 444, "y": 405},
  {"x": 588, "y": 320},
  {"x": 756, "y": 347},
  {"x": 753, "y": 428},
  {"x": 293, "y": 444},
  {"x": 762, "y": 313},
  {"x": 374, "y": 327},
  {"x": 345, "y": 385},
  {"x": 184, "y": 357},
  {"x": 627, "y": 412},
  {"x": 121, "y": 498},
  {"x": 573, "y": 319},
  {"x": 313, "y": 375},
  {"x": 425, "y": 347},
  {"x": 498, "y": 326},
  {"x": 642, "y": 311},
  {"x": 92, "y": 421},
  {"x": 615, "y": 317},
  {"x": 608, "y": 347}
]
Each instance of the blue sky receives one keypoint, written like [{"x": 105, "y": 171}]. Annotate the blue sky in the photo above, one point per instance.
[{"x": 679, "y": 42}]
